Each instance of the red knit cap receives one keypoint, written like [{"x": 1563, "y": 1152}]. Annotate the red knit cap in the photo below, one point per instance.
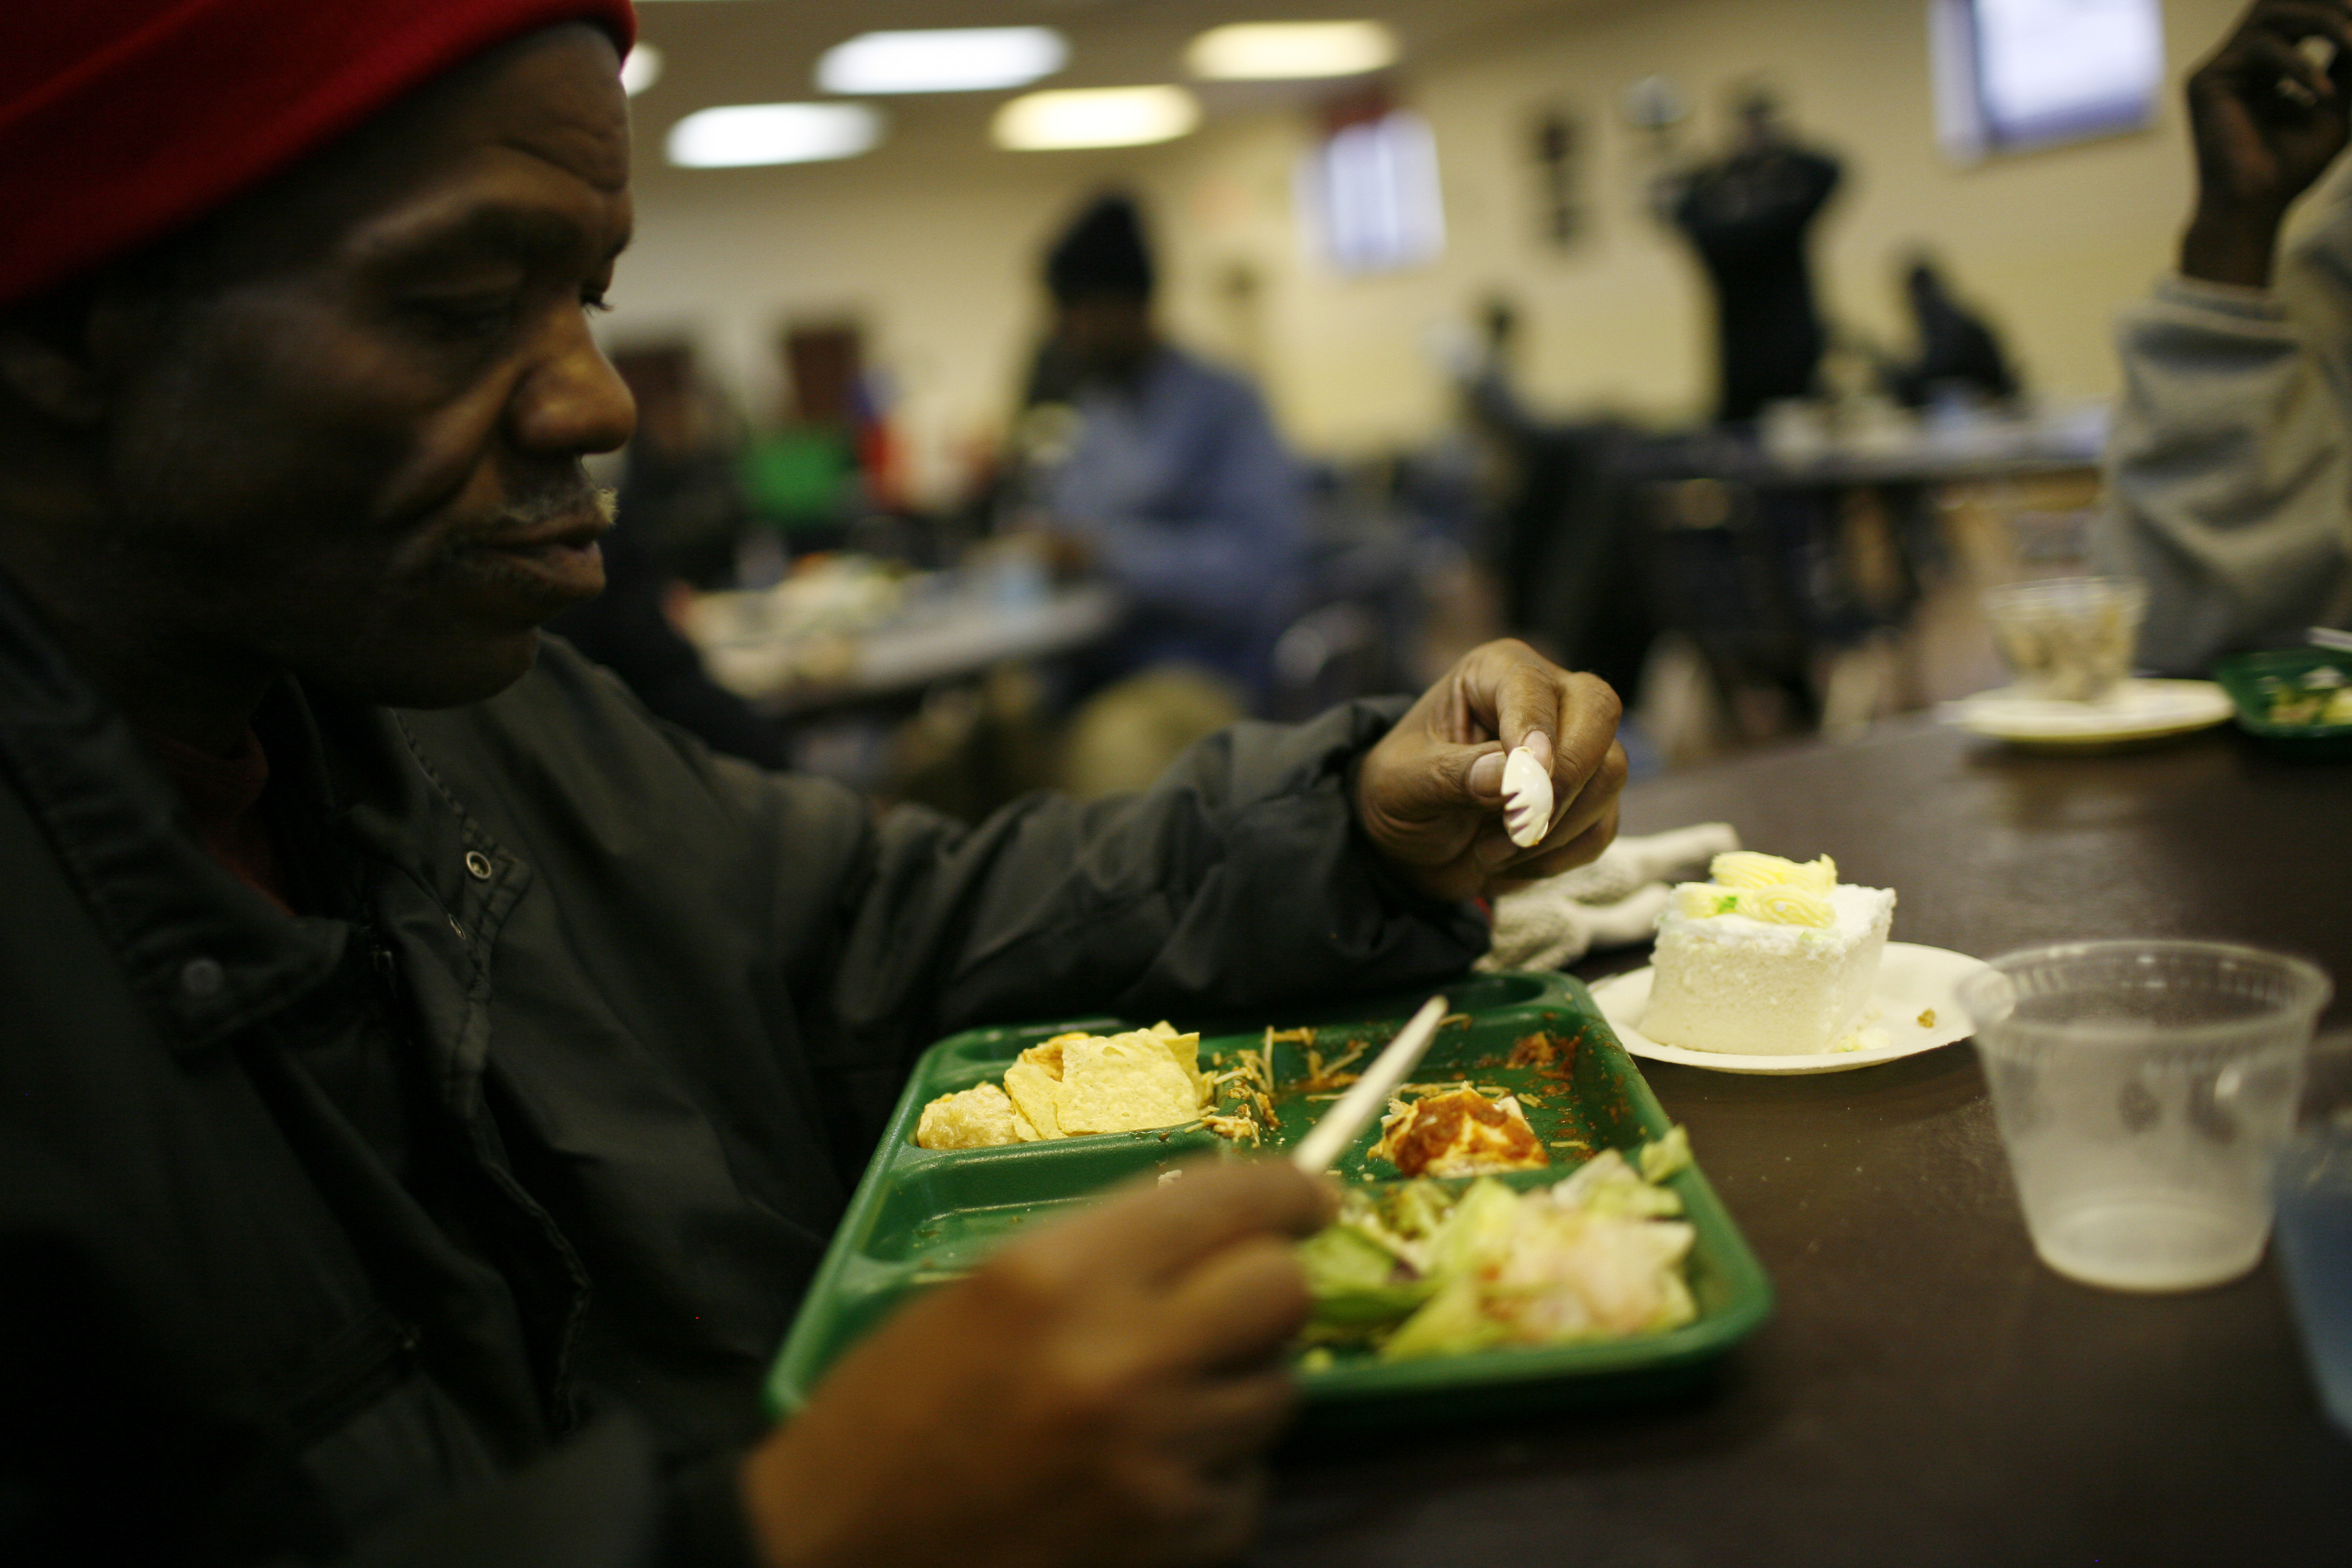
[{"x": 121, "y": 120}]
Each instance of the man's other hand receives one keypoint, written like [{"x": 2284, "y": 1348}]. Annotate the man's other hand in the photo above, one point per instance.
[
  {"x": 1430, "y": 794},
  {"x": 2268, "y": 121},
  {"x": 1102, "y": 1391}
]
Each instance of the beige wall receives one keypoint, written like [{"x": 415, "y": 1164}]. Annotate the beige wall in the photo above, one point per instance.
[{"x": 932, "y": 240}]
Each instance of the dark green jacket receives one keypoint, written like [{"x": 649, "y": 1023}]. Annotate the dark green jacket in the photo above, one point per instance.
[{"x": 456, "y": 1222}]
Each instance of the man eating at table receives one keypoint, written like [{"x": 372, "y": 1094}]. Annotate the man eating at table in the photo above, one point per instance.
[{"x": 426, "y": 1085}]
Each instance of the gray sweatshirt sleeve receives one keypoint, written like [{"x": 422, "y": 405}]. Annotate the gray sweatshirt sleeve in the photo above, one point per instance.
[{"x": 2229, "y": 471}]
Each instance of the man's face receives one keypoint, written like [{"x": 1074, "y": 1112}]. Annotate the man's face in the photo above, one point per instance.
[
  {"x": 1107, "y": 336},
  {"x": 344, "y": 438}
]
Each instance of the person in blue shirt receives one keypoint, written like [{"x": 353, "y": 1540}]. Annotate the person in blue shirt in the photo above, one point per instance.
[{"x": 1175, "y": 485}]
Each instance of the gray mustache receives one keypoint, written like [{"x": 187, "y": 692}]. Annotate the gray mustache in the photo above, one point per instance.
[{"x": 562, "y": 501}]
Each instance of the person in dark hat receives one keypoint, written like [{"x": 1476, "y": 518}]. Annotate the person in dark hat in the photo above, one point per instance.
[
  {"x": 426, "y": 1085},
  {"x": 1101, "y": 278},
  {"x": 1176, "y": 485}
]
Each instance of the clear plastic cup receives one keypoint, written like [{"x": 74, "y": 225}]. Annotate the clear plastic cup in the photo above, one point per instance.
[
  {"x": 2142, "y": 1090},
  {"x": 2068, "y": 638},
  {"x": 2314, "y": 1189}
]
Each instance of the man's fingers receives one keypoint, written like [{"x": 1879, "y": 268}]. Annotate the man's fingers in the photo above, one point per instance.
[
  {"x": 1567, "y": 720},
  {"x": 1237, "y": 1308},
  {"x": 1571, "y": 841},
  {"x": 1451, "y": 775},
  {"x": 1518, "y": 690},
  {"x": 1221, "y": 1426},
  {"x": 1602, "y": 785},
  {"x": 1594, "y": 790},
  {"x": 2269, "y": 59},
  {"x": 1581, "y": 851},
  {"x": 1153, "y": 1232},
  {"x": 1493, "y": 849},
  {"x": 1222, "y": 1515},
  {"x": 2265, "y": 50},
  {"x": 1483, "y": 782},
  {"x": 2294, "y": 19},
  {"x": 1589, "y": 713}
]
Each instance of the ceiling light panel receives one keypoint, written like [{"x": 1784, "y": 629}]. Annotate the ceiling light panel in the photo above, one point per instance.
[
  {"x": 1095, "y": 117},
  {"x": 942, "y": 60},
  {"x": 641, "y": 70},
  {"x": 1290, "y": 51},
  {"x": 743, "y": 134}
]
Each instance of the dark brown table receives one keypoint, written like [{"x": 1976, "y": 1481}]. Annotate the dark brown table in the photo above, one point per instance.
[{"x": 1926, "y": 1392}]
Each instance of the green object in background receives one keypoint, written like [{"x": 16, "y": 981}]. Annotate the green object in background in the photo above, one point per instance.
[
  {"x": 2290, "y": 697},
  {"x": 921, "y": 1216},
  {"x": 800, "y": 477}
]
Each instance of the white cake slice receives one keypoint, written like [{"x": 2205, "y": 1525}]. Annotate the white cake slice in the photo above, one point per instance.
[{"x": 1770, "y": 957}]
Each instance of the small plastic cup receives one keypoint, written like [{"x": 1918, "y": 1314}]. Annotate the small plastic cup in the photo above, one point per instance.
[
  {"x": 2314, "y": 1191},
  {"x": 2142, "y": 1090},
  {"x": 2068, "y": 639}
]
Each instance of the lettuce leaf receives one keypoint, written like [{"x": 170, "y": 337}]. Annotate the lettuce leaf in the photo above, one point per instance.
[{"x": 1415, "y": 1269}]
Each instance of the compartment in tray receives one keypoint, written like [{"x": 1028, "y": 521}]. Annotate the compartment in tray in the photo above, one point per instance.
[
  {"x": 949, "y": 1206},
  {"x": 1575, "y": 1108},
  {"x": 1575, "y": 1103},
  {"x": 1728, "y": 1286}
]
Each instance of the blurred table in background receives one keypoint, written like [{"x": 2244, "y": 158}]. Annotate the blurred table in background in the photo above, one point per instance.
[
  {"x": 856, "y": 633},
  {"x": 1928, "y": 1394},
  {"x": 1803, "y": 445},
  {"x": 1824, "y": 577}
]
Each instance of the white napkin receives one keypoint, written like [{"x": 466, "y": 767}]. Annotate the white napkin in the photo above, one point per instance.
[{"x": 1610, "y": 903}]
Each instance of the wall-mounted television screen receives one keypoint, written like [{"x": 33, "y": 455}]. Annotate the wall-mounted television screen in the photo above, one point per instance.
[{"x": 2011, "y": 75}]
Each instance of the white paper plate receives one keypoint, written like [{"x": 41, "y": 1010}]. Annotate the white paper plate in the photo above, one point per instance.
[
  {"x": 2137, "y": 711},
  {"x": 1914, "y": 985}
]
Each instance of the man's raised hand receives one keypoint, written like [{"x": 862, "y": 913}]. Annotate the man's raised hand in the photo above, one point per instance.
[
  {"x": 2268, "y": 121},
  {"x": 1430, "y": 794}
]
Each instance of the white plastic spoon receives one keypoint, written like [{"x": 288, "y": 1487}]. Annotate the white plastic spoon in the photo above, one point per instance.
[
  {"x": 1527, "y": 799},
  {"x": 1369, "y": 1093}
]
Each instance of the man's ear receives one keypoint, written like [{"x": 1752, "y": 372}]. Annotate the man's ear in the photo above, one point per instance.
[
  {"x": 61, "y": 351},
  {"x": 48, "y": 377}
]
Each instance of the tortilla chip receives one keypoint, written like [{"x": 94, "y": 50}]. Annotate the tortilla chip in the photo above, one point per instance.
[
  {"x": 977, "y": 1118},
  {"x": 1185, "y": 1049},
  {"x": 1123, "y": 1084},
  {"x": 1047, "y": 1054},
  {"x": 1030, "y": 1088}
]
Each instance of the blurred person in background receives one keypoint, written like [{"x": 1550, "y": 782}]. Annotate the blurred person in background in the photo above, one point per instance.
[
  {"x": 1175, "y": 485},
  {"x": 831, "y": 458},
  {"x": 428, "y": 1088},
  {"x": 1959, "y": 356},
  {"x": 1749, "y": 216},
  {"x": 677, "y": 494},
  {"x": 1567, "y": 561},
  {"x": 2229, "y": 471}
]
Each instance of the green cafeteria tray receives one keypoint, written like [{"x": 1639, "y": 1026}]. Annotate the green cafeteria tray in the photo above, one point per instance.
[
  {"x": 2251, "y": 677},
  {"x": 920, "y": 1215}
]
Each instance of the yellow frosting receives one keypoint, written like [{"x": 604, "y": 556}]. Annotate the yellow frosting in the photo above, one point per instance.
[
  {"x": 1763, "y": 888},
  {"x": 1747, "y": 869},
  {"x": 1705, "y": 900},
  {"x": 1787, "y": 906}
]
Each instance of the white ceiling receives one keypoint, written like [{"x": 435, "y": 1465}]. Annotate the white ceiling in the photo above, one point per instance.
[{"x": 755, "y": 51}]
